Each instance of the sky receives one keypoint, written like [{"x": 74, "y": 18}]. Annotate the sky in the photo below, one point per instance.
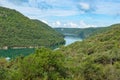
[{"x": 69, "y": 13}]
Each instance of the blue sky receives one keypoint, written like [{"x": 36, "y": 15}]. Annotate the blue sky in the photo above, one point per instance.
[{"x": 69, "y": 13}]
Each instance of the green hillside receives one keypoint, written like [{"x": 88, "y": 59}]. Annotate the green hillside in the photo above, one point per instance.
[
  {"x": 16, "y": 30},
  {"x": 80, "y": 32},
  {"x": 95, "y": 58}
]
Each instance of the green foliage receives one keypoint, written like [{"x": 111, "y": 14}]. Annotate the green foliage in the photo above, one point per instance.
[
  {"x": 44, "y": 64},
  {"x": 3, "y": 68},
  {"x": 16, "y": 30},
  {"x": 95, "y": 58}
]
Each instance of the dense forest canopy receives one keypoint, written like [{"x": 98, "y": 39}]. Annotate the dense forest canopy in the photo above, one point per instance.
[
  {"x": 95, "y": 58},
  {"x": 16, "y": 30}
]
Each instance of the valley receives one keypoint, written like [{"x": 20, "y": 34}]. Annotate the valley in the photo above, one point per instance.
[{"x": 59, "y": 40}]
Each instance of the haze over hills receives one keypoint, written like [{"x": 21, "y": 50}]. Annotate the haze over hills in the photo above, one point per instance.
[
  {"x": 81, "y": 32},
  {"x": 16, "y": 30}
]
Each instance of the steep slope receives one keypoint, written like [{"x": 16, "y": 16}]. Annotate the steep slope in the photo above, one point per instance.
[
  {"x": 99, "y": 41},
  {"x": 16, "y": 30},
  {"x": 96, "y": 58}
]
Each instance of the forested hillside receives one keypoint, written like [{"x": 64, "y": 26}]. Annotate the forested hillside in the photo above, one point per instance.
[
  {"x": 95, "y": 58},
  {"x": 16, "y": 30},
  {"x": 81, "y": 32}
]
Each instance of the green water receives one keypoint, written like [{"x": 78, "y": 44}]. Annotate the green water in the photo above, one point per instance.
[{"x": 12, "y": 53}]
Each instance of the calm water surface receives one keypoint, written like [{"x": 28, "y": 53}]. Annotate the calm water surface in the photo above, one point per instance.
[
  {"x": 11, "y": 53},
  {"x": 71, "y": 39}
]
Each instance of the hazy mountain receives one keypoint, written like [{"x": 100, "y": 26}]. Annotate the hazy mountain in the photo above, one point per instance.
[{"x": 80, "y": 32}]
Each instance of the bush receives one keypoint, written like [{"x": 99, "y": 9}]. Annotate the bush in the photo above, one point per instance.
[{"x": 43, "y": 64}]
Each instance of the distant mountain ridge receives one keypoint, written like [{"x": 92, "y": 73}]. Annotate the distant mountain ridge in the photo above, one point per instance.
[
  {"x": 16, "y": 30},
  {"x": 80, "y": 32}
]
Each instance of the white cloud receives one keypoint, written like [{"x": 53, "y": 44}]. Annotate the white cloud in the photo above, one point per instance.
[
  {"x": 56, "y": 24},
  {"x": 70, "y": 25},
  {"x": 32, "y": 9},
  {"x": 66, "y": 25},
  {"x": 44, "y": 21},
  {"x": 67, "y": 9},
  {"x": 82, "y": 24},
  {"x": 84, "y": 6}
]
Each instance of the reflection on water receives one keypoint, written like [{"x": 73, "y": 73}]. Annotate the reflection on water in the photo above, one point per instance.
[{"x": 71, "y": 39}]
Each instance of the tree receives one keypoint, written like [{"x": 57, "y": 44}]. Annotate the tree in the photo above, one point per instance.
[{"x": 43, "y": 64}]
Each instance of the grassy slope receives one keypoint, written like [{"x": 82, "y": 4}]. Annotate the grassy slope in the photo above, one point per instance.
[{"x": 18, "y": 30}]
